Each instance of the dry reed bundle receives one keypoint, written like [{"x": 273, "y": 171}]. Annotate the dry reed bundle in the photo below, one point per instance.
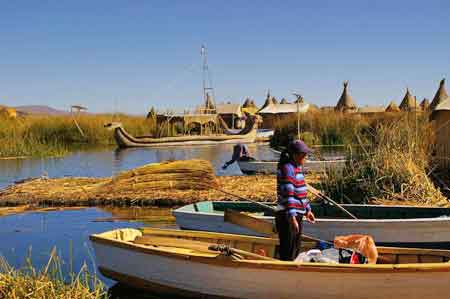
[{"x": 173, "y": 175}]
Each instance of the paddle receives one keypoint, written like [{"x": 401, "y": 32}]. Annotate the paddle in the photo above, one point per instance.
[{"x": 320, "y": 194}]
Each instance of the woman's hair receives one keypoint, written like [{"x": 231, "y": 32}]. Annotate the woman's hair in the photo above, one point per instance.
[{"x": 286, "y": 156}]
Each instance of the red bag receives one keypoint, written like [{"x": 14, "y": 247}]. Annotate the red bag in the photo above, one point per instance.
[{"x": 354, "y": 259}]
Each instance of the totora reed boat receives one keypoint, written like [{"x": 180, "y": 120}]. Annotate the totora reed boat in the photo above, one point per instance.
[
  {"x": 404, "y": 226},
  {"x": 192, "y": 265},
  {"x": 124, "y": 139}
]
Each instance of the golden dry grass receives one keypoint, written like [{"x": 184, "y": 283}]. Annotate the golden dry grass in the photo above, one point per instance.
[
  {"x": 37, "y": 135},
  {"x": 48, "y": 283},
  {"x": 394, "y": 167},
  {"x": 161, "y": 184}
]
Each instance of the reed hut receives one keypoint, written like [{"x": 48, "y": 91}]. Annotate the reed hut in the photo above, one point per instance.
[
  {"x": 249, "y": 106},
  {"x": 230, "y": 113},
  {"x": 441, "y": 125},
  {"x": 284, "y": 101},
  {"x": 371, "y": 110},
  {"x": 276, "y": 113},
  {"x": 425, "y": 104},
  {"x": 409, "y": 103},
  {"x": 269, "y": 100},
  {"x": 345, "y": 103},
  {"x": 441, "y": 95},
  {"x": 392, "y": 107}
]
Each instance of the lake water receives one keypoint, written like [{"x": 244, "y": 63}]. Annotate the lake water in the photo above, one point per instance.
[
  {"x": 107, "y": 162},
  {"x": 37, "y": 233},
  {"x": 34, "y": 235}
]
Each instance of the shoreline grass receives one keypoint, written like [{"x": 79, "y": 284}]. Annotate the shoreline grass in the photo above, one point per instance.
[
  {"x": 43, "y": 136},
  {"x": 394, "y": 166},
  {"x": 49, "y": 282}
]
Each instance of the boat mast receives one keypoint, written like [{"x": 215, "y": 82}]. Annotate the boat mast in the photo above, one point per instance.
[{"x": 208, "y": 90}]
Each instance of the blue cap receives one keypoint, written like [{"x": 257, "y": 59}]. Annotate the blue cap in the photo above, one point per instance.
[{"x": 298, "y": 146}]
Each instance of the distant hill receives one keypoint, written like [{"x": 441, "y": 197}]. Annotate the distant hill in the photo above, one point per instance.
[{"x": 40, "y": 109}]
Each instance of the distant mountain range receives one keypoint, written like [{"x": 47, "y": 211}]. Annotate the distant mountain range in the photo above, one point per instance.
[{"x": 40, "y": 109}]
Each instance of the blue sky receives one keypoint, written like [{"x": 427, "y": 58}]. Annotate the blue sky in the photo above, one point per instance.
[{"x": 129, "y": 55}]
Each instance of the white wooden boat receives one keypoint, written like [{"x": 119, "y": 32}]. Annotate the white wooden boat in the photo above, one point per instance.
[
  {"x": 404, "y": 226},
  {"x": 181, "y": 263},
  {"x": 270, "y": 167}
]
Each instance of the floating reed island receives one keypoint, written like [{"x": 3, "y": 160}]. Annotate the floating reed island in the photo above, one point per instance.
[
  {"x": 170, "y": 183},
  {"x": 159, "y": 184}
]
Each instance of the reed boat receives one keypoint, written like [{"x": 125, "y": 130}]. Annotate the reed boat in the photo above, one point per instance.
[
  {"x": 190, "y": 264},
  {"x": 125, "y": 139},
  {"x": 406, "y": 226},
  {"x": 270, "y": 167}
]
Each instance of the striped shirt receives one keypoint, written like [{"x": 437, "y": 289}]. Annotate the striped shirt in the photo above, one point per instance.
[{"x": 292, "y": 190}]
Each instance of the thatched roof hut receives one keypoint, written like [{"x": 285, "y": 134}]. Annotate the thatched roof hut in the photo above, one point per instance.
[
  {"x": 425, "y": 104},
  {"x": 441, "y": 95},
  {"x": 246, "y": 103},
  {"x": 284, "y": 101},
  {"x": 151, "y": 114},
  {"x": 409, "y": 102},
  {"x": 276, "y": 113},
  {"x": 274, "y": 100},
  {"x": 370, "y": 109},
  {"x": 345, "y": 102},
  {"x": 392, "y": 107},
  {"x": 268, "y": 101},
  {"x": 441, "y": 117}
]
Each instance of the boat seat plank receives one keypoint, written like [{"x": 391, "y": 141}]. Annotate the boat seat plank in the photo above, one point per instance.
[
  {"x": 173, "y": 242},
  {"x": 204, "y": 235}
]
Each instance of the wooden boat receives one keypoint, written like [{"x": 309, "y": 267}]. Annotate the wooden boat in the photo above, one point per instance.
[
  {"x": 405, "y": 226},
  {"x": 270, "y": 167},
  {"x": 124, "y": 139},
  {"x": 184, "y": 263}
]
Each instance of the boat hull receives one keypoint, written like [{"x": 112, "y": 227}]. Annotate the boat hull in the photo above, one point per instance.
[
  {"x": 124, "y": 140},
  {"x": 194, "y": 276},
  {"x": 416, "y": 232}
]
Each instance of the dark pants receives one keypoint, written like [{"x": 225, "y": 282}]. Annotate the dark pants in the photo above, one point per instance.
[{"x": 290, "y": 241}]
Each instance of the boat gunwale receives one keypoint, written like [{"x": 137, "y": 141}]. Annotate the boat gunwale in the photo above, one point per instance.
[
  {"x": 323, "y": 220},
  {"x": 274, "y": 265}
]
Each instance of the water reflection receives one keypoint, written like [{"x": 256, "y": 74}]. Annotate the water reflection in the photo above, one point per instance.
[{"x": 107, "y": 162}]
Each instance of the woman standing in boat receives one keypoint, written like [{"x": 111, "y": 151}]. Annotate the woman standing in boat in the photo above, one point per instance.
[{"x": 292, "y": 201}]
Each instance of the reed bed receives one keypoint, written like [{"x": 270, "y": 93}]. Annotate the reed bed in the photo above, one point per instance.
[
  {"x": 393, "y": 168},
  {"x": 48, "y": 283},
  {"x": 57, "y": 135},
  {"x": 162, "y": 184},
  {"x": 320, "y": 128}
]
